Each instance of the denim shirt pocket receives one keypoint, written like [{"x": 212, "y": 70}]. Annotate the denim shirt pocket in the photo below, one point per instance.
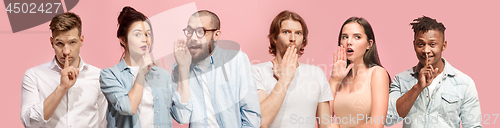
[{"x": 450, "y": 107}]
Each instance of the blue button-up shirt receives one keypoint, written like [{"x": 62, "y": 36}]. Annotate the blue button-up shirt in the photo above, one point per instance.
[
  {"x": 454, "y": 101},
  {"x": 117, "y": 81},
  {"x": 232, "y": 91}
]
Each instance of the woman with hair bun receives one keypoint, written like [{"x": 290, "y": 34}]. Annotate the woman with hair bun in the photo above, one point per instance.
[{"x": 139, "y": 93}]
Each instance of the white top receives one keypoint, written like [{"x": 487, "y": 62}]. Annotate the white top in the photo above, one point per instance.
[
  {"x": 308, "y": 88},
  {"x": 434, "y": 83},
  {"x": 84, "y": 105},
  {"x": 211, "y": 119},
  {"x": 145, "y": 110}
]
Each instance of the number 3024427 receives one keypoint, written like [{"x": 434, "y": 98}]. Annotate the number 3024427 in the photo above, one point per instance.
[{"x": 33, "y": 7}]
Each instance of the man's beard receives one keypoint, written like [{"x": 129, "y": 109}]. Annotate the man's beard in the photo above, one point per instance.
[{"x": 204, "y": 53}]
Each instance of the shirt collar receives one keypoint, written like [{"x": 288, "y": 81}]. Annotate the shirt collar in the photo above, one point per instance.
[
  {"x": 122, "y": 66},
  {"x": 81, "y": 66},
  {"x": 448, "y": 69}
]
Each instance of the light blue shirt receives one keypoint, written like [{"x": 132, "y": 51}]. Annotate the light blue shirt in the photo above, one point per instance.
[
  {"x": 454, "y": 101},
  {"x": 232, "y": 91},
  {"x": 117, "y": 81}
]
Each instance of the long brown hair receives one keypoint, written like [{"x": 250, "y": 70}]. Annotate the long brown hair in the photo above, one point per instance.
[{"x": 370, "y": 57}]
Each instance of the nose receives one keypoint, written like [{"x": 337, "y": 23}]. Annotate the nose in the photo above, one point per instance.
[
  {"x": 426, "y": 50},
  {"x": 292, "y": 38},
  {"x": 145, "y": 39},
  {"x": 349, "y": 42},
  {"x": 66, "y": 50}
]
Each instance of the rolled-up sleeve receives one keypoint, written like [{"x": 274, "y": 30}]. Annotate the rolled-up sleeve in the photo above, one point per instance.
[
  {"x": 115, "y": 92},
  {"x": 249, "y": 102},
  {"x": 31, "y": 105},
  {"x": 394, "y": 94},
  {"x": 181, "y": 112}
]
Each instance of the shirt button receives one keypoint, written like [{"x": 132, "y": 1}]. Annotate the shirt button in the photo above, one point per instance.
[
  {"x": 439, "y": 82},
  {"x": 157, "y": 111}
]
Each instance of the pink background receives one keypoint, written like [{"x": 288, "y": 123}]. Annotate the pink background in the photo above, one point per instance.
[{"x": 472, "y": 35}]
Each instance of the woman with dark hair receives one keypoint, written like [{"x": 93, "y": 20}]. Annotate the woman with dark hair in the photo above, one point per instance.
[
  {"x": 362, "y": 89},
  {"x": 138, "y": 92}
]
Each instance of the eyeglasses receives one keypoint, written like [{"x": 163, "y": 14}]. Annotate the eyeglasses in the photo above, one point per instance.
[{"x": 200, "y": 32}]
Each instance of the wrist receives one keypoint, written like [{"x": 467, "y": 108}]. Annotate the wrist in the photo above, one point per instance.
[
  {"x": 183, "y": 72},
  {"x": 418, "y": 87},
  {"x": 283, "y": 82},
  {"x": 140, "y": 79},
  {"x": 62, "y": 88},
  {"x": 184, "y": 66},
  {"x": 334, "y": 80}
]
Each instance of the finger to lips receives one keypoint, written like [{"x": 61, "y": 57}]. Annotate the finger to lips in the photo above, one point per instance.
[
  {"x": 66, "y": 62},
  {"x": 427, "y": 59}
]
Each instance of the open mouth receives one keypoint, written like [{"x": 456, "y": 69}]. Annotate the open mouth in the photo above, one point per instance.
[
  {"x": 194, "y": 48},
  {"x": 349, "y": 51},
  {"x": 143, "y": 47}
]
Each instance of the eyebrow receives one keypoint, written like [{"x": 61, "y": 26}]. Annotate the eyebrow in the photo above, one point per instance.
[
  {"x": 137, "y": 30},
  {"x": 430, "y": 40},
  {"x": 356, "y": 34},
  {"x": 73, "y": 39},
  {"x": 285, "y": 29}
]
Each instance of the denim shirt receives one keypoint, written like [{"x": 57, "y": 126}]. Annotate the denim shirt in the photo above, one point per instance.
[
  {"x": 117, "y": 81},
  {"x": 232, "y": 91},
  {"x": 454, "y": 101}
]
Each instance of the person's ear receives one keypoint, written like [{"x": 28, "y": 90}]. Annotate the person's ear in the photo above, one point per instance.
[
  {"x": 81, "y": 40},
  {"x": 274, "y": 39},
  {"x": 122, "y": 41},
  {"x": 216, "y": 35},
  {"x": 445, "y": 43},
  {"x": 370, "y": 43},
  {"x": 51, "y": 42}
]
